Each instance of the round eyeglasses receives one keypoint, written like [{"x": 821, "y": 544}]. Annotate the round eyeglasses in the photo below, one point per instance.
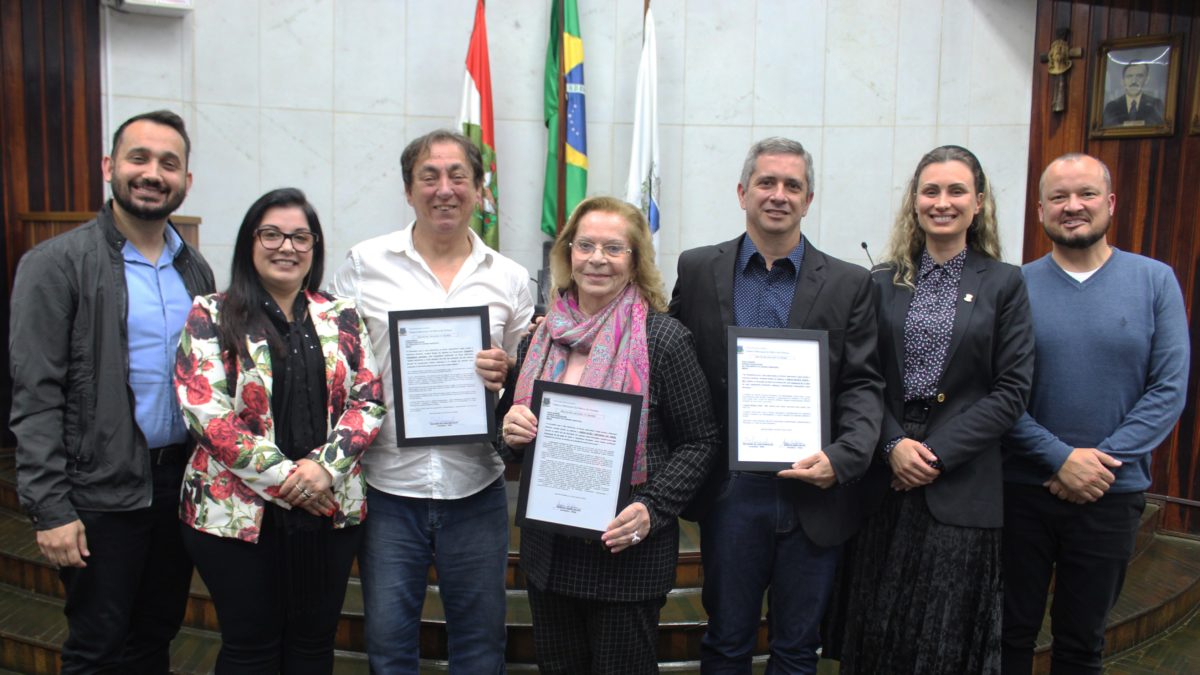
[
  {"x": 272, "y": 239},
  {"x": 587, "y": 248}
]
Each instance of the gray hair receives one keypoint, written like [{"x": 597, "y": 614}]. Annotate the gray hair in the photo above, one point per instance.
[{"x": 777, "y": 145}]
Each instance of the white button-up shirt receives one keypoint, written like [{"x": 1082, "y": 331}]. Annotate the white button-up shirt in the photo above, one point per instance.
[{"x": 388, "y": 274}]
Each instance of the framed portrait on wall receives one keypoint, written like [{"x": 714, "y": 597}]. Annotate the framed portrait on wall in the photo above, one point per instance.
[{"x": 1135, "y": 87}]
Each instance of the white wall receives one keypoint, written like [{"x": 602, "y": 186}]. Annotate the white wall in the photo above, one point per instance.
[{"x": 323, "y": 95}]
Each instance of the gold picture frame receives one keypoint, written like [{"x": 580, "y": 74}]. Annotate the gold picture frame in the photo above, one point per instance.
[{"x": 1135, "y": 87}]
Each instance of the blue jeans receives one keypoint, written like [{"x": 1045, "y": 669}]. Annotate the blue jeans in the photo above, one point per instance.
[
  {"x": 751, "y": 543},
  {"x": 467, "y": 542}
]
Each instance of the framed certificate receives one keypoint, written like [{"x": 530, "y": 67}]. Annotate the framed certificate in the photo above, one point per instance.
[
  {"x": 439, "y": 398},
  {"x": 575, "y": 478},
  {"x": 778, "y": 396}
]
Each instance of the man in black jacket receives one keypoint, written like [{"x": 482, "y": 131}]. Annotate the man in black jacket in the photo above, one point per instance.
[
  {"x": 781, "y": 532},
  {"x": 101, "y": 445}
]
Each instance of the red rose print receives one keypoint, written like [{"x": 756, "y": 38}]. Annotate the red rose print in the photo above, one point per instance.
[
  {"x": 254, "y": 396},
  {"x": 187, "y": 509},
  {"x": 253, "y": 422},
  {"x": 222, "y": 437},
  {"x": 221, "y": 487},
  {"x": 249, "y": 533},
  {"x": 200, "y": 325},
  {"x": 198, "y": 390},
  {"x": 200, "y": 460},
  {"x": 352, "y": 419},
  {"x": 244, "y": 493},
  {"x": 359, "y": 441},
  {"x": 185, "y": 366}
]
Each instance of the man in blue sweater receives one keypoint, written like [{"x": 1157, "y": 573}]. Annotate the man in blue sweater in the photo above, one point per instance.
[{"x": 1112, "y": 367}]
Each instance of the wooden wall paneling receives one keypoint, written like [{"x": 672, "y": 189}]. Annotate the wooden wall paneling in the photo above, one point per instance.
[
  {"x": 50, "y": 145},
  {"x": 1156, "y": 180}
]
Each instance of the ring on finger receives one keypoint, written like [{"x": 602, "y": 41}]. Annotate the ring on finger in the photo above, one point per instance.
[{"x": 635, "y": 538}]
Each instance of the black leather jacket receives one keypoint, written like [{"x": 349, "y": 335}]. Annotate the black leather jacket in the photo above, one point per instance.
[{"x": 78, "y": 445}]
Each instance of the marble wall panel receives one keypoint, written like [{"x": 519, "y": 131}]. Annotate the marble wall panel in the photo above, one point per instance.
[
  {"x": 789, "y": 63},
  {"x": 295, "y": 52},
  {"x": 368, "y": 56},
  {"x": 860, "y": 57},
  {"x": 227, "y": 52},
  {"x": 719, "y": 86},
  {"x": 324, "y": 94}
]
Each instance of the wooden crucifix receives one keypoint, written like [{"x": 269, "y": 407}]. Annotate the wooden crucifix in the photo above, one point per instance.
[{"x": 1058, "y": 60}]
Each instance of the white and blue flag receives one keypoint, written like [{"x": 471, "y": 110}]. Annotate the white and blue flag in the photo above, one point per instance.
[{"x": 644, "y": 187}]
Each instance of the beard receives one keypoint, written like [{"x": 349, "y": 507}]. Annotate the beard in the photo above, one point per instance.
[
  {"x": 123, "y": 195},
  {"x": 1080, "y": 241}
]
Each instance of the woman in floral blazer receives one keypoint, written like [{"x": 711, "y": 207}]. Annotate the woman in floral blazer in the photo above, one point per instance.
[{"x": 279, "y": 387}]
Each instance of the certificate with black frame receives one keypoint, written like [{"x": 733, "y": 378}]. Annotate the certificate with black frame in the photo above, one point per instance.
[
  {"x": 778, "y": 396},
  {"x": 575, "y": 478},
  {"x": 438, "y": 397}
]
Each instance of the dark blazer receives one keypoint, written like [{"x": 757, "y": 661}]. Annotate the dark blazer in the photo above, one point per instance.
[
  {"x": 983, "y": 390},
  {"x": 831, "y": 295},
  {"x": 681, "y": 441},
  {"x": 1150, "y": 111}
]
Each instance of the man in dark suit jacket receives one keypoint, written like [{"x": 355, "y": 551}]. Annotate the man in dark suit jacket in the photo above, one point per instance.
[
  {"x": 783, "y": 531},
  {"x": 1136, "y": 106}
]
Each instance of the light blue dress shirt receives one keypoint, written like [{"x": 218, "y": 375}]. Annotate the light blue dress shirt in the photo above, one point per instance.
[{"x": 158, "y": 307}]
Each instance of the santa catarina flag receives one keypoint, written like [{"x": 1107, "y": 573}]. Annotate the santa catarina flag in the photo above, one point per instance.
[{"x": 475, "y": 118}]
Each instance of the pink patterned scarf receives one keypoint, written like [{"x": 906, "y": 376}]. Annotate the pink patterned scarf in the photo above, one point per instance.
[{"x": 614, "y": 340}]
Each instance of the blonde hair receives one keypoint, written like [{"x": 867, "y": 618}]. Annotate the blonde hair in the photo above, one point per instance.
[
  {"x": 644, "y": 273},
  {"x": 907, "y": 240}
]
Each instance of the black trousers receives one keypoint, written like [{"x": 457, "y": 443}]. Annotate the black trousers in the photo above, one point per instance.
[
  {"x": 1086, "y": 547},
  {"x": 126, "y": 606},
  {"x": 572, "y": 636},
  {"x": 276, "y": 615}
]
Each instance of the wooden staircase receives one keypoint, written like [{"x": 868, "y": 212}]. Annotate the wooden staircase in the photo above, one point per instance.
[
  {"x": 1161, "y": 591},
  {"x": 32, "y": 627}
]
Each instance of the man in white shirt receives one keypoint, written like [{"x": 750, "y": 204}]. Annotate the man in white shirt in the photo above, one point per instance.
[{"x": 446, "y": 504}]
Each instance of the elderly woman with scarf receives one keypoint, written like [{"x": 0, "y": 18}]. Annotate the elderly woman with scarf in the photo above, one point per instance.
[
  {"x": 280, "y": 389},
  {"x": 595, "y": 604}
]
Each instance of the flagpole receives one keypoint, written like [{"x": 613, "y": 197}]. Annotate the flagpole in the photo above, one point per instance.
[{"x": 561, "y": 168}]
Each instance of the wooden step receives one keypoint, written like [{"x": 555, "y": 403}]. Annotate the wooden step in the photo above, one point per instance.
[
  {"x": 680, "y": 629},
  {"x": 688, "y": 573},
  {"x": 1162, "y": 588},
  {"x": 1176, "y": 651},
  {"x": 32, "y": 629}
]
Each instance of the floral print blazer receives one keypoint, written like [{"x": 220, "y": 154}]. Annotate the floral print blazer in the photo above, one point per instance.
[{"x": 226, "y": 401}]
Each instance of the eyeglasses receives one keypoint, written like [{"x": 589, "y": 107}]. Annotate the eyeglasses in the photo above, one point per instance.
[
  {"x": 271, "y": 239},
  {"x": 587, "y": 248}
]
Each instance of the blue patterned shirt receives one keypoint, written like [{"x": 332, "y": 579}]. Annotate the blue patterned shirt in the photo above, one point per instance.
[{"x": 762, "y": 298}]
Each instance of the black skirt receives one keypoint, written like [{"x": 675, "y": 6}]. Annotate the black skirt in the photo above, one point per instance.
[{"x": 919, "y": 596}]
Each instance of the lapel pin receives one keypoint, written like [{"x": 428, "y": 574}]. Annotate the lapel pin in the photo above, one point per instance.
[{"x": 968, "y": 298}]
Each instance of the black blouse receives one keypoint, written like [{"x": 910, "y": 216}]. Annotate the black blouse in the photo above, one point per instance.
[{"x": 298, "y": 392}]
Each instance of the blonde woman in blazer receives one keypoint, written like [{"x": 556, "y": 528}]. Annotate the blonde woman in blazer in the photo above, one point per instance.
[{"x": 279, "y": 387}]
